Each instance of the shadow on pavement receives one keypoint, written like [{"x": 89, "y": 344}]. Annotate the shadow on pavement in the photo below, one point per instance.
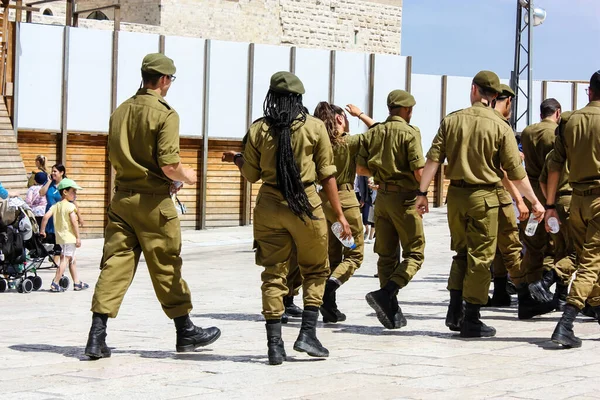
[{"x": 231, "y": 317}]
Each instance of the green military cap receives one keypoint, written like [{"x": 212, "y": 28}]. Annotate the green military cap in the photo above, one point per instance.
[
  {"x": 488, "y": 80},
  {"x": 286, "y": 82},
  {"x": 506, "y": 91},
  {"x": 68, "y": 183},
  {"x": 157, "y": 63},
  {"x": 400, "y": 98}
]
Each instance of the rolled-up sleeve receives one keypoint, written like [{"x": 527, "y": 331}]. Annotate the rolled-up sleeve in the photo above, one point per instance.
[
  {"x": 510, "y": 159},
  {"x": 251, "y": 168},
  {"x": 558, "y": 157},
  {"x": 437, "y": 152},
  {"x": 415, "y": 152},
  {"x": 323, "y": 155},
  {"x": 362, "y": 157},
  {"x": 167, "y": 150}
]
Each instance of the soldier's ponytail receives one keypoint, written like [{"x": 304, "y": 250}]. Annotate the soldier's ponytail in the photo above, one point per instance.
[
  {"x": 283, "y": 113},
  {"x": 327, "y": 112}
]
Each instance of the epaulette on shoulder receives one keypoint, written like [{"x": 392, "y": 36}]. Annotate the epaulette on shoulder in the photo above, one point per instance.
[
  {"x": 256, "y": 120},
  {"x": 454, "y": 112},
  {"x": 374, "y": 125},
  {"x": 164, "y": 103}
]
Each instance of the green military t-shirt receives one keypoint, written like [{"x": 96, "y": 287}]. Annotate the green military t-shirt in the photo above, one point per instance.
[
  {"x": 392, "y": 152},
  {"x": 579, "y": 144},
  {"x": 310, "y": 143},
  {"x": 344, "y": 158},
  {"x": 143, "y": 136},
  {"x": 537, "y": 141},
  {"x": 478, "y": 145}
]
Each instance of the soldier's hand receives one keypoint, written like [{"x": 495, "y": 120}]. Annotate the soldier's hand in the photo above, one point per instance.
[
  {"x": 523, "y": 211},
  {"x": 353, "y": 110},
  {"x": 538, "y": 210},
  {"x": 78, "y": 243},
  {"x": 550, "y": 214},
  {"x": 191, "y": 177},
  {"x": 346, "y": 232},
  {"x": 422, "y": 205},
  {"x": 228, "y": 156}
]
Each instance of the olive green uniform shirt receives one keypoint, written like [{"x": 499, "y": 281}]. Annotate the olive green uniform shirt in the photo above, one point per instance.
[
  {"x": 563, "y": 181},
  {"x": 344, "y": 158},
  {"x": 579, "y": 145},
  {"x": 143, "y": 137},
  {"x": 311, "y": 146},
  {"x": 537, "y": 141},
  {"x": 392, "y": 151},
  {"x": 477, "y": 144}
]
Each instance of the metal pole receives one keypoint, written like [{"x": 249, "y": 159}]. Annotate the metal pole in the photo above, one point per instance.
[
  {"x": 530, "y": 64},
  {"x": 514, "y": 82}
]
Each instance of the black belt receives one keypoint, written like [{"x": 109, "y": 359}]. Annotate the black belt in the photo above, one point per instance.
[
  {"x": 389, "y": 187},
  {"x": 589, "y": 192},
  {"x": 564, "y": 193},
  {"x": 462, "y": 184}
]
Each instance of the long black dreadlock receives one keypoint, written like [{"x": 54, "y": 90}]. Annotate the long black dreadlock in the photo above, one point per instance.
[{"x": 282, "y": 111}]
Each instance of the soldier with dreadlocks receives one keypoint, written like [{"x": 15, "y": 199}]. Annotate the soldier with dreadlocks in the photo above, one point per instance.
[{"x": 289, "y": 151}]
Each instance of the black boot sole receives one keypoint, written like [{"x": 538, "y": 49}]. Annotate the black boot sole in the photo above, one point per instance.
[
  {"x": 539, "y": 293},
  {"x": 97, "y": 354},
  {"x": 381, "y": 315},
  {"x": 293, "y": 312},
  {"x": 191, "y": 347},
  {"x": 565, "y": 341},
  {"x": 328, "y": 316},
  {"x": 304, "y": 347}
]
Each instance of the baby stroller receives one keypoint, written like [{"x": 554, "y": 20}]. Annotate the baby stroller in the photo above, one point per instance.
[{"x": 22, "y": 252}]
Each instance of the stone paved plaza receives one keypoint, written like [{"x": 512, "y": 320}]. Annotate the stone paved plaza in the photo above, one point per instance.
[{"x": 43, "y": 334}]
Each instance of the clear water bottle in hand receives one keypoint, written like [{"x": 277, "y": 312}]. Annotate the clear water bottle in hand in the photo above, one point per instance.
[
  {"x": 553, "y": 224},
  {"x": 337, "y": 230},
  {"x": 532, "y": 225}
]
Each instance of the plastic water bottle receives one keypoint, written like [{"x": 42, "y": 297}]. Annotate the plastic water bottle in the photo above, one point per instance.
[
  {"x": 554, "y": 225},
  {"x": 176, "y": 186},
  {"x": 532, "y": 225},
  {"x": 1, "y": 256},
  {"x": 517, "y": 212},
  {"x": 337, "y": 230}
]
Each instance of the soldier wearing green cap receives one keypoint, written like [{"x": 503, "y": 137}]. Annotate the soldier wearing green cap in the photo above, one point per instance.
[
  {"x": 479, "y": 146},
  {"x": 289, "y": 151},
  {"x": 392, "y": 154},
  {"x": 143, "y": 148}
]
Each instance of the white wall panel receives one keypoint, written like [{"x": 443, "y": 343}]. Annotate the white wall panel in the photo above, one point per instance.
[
  {"x": 390, "y": 74},
  {"x": 427, "y": 90},
  {"x": 90, "y": 61},
  {"x": 563, "y": 92},
  {"x": 228, "y": 89},
  {"x": 133, "y": 47},
  {"x": 186, "y": 93},
  {"x": 267, "y": 60},
  {"x": 39, "y": 54},
  {"x": 352, "y": 84},
  {"x": 458, "y": 94},
  {"x": 582, "y": 97},
  {"x": 312, "y": 67}
]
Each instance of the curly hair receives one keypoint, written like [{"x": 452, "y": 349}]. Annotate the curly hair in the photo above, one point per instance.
[{"x": 327, "y": 112}]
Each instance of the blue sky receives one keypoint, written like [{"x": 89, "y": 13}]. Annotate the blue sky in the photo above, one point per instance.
[{"x": 462, "y": 37}]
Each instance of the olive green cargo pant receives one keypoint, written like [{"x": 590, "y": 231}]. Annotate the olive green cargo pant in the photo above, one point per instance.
[
  {"x": 276, "y": 231},
  {"x": 398, "y": 224},
  {"x": 342, "y": 260},
  {"x": 508, "y": 252},
  {"x": 473, "y": 221},
  {"x": 585, "y": 227},
  {"x": 142, "y": 223},
  {"x": 294, "y": 277},
  {"x": 565, "y": 257}
]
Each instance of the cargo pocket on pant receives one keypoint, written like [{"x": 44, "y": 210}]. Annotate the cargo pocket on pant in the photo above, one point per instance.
[
  {"x": 169, "y": 225},
  {"x": 492, "y": 203}
]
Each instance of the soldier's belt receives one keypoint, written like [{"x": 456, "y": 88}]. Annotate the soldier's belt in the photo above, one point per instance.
[
  {"x": 462, "y": 184},
  {"x": 160, "y": 192},
  {"x": 589, "y": 192},
  {"x": 564, "y": 193},
  {"x": 346, "y": 186},
  {"x": 388, "y": 187}
]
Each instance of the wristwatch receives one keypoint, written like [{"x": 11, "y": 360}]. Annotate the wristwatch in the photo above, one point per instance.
[
  {"x": 236, "y": 156},
  {"x": 424, "y": 194},
  {"x": 550, "y": 206}
]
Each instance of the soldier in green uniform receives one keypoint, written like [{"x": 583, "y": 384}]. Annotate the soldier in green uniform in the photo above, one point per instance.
[
  {"x": 480, "y": 148},
  {"x": 290, "y": 150},
  {"x": 392, "y": 154},
  {"x": 537, "y": 141},
  {"x": 578, "y": 145},
  {"x": 143, "y": 148}
]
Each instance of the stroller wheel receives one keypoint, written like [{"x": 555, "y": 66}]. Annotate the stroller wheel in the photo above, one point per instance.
[
  {"x": 20, "y": 286},
  {"x": 37, "y": 282},
  {"x": 3, "y": 285},
  {"x": 27, "y": 285},
  {"x": 64, "y": 282}
]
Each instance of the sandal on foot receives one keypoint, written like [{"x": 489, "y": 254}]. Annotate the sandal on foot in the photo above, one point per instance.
[
  {"x": 80, "y": 286},
  {"x": 55, "y": 287}
]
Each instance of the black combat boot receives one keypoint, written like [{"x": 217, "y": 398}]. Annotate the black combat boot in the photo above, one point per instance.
[
  {"x": 329, "y": 308},
  {"x": 399, "y": 318},
  {"x": 307, "y": 341},
  {"x": 528, "y": 307},
  {"x": 472, "y": 326},
  {"x": 563, "y": 334},
  {"x": 285, "y": 318},
  {"x": 96, "y": 345},
  {"x": 382, "y": 302},
  {"x": 560, "y": 297},
  {"x": 588, "y": 311},
  {"x": 276, "y": 350},
  {"x": 540, "y": 290},
  {"x": 291, "y": 309},
  {"x": 454, "y": 317},
  {"x": 190, "y": 336},
  {"x": 510, "y": 287},
  {"x": 501, "y": 298}
]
